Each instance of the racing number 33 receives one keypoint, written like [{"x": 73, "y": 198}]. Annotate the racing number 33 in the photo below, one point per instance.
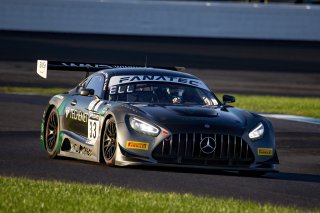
[{"x": 93, "y": 128}]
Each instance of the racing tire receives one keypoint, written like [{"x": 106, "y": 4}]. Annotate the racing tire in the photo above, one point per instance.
[
  {"x": 109, "y": 142},
  {"x": 52, "y": 133}
]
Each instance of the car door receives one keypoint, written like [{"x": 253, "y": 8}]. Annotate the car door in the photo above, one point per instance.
[
  {"x": 89, "y": 106},
  {"x": 75, "y": 119},
  {"x": 81, "y": 115}
]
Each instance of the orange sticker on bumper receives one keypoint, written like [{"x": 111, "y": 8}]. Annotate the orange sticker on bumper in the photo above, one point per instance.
[
  {"x": 137, "y": 145},
  {"x": 265, "y": 151}
]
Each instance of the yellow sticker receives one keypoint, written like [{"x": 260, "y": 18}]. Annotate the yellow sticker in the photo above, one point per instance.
[
  {"x": 137, "y": 145},
  {"x": 265, "y": 151}
]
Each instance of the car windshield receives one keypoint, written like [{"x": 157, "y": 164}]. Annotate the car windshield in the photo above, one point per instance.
[{"x": 162, "y": 93}]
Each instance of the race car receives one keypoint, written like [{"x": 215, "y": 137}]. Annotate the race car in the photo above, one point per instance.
[{"x": 127, "y": 115}]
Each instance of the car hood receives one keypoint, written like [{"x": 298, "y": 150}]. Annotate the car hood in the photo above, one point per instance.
[{"x": 196, "y": 118}]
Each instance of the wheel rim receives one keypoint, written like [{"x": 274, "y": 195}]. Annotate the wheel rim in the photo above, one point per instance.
[
  {"x": 51, "y": 134},
  {"x": 109, "y": 141}
]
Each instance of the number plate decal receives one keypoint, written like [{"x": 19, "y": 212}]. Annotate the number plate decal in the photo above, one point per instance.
[{"x": 93, "y": 129}]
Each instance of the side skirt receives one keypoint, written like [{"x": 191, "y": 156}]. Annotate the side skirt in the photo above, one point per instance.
[{"x": 78, "y": 147}]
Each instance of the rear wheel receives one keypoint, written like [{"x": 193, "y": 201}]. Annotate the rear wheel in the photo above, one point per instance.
[
  {"x": 51, "y": 133},
  {"x": 109, "y": 142}
]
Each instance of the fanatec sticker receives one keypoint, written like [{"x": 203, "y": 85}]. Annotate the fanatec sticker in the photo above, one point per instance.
[{"x": 116, "y": 80}]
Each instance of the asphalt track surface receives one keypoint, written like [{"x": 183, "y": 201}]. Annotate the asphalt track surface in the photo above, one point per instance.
[
  {"x": 297, "y": 184},
  {"x": 271, "y": 67},
  {"x": 285, "y": 68},
  {"x": 204, "y": 53}
]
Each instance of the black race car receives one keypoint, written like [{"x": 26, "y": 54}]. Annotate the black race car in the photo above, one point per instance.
[{"x": 125, "y": 115}]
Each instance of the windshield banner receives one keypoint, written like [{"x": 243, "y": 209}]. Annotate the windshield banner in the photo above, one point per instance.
[{"x": 125, "y": 79}]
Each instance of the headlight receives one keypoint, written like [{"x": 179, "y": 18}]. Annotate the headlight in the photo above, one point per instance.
[
  {"x": 257, "y": 132},
  {"x": 143, "y": 127}
]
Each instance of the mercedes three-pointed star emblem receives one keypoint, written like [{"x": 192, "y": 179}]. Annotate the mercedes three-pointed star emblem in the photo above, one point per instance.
[{"x": 208, "y": 145}]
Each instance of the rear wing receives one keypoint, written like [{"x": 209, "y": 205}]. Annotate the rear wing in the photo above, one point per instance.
[{"x": 43, "y": 66}]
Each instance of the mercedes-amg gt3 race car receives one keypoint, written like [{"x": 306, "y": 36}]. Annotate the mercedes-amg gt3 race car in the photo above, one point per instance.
[{"x": 124, "y": 115}]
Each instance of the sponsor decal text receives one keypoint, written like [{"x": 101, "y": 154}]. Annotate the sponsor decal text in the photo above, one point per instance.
[{"x": 137, "y": 145}]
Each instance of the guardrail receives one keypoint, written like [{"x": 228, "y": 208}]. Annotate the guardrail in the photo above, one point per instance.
[{"x": 162, "y": 18}]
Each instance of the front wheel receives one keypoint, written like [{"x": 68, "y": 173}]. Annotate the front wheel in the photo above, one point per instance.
[
  {"x": 51, "y": 133},
  {"x": 109, "y": 142}
]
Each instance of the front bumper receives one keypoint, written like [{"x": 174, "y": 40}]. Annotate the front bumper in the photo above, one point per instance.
[
  {"x": 232, "y": 152},
  {"x": 127, "y": 158},
  {"x": 140, "y": 162}
]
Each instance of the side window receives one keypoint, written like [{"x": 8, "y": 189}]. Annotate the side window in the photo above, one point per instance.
[{"x": 96, "y": 83}]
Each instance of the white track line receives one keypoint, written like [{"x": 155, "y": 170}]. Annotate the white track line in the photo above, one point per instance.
[{"x": 293, "y": 118}]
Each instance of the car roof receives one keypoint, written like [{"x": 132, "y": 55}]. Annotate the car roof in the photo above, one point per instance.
[{"x": 146, "y": 71}]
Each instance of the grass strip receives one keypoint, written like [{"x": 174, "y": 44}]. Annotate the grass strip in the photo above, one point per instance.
[
  {"x": 24, "y": 195},
  {"x": 33, "y": 90},
  {"x": 301, "y": 106}
]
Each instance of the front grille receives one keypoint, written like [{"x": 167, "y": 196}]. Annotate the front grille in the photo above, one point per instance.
[{"x": 185, "y": 148}]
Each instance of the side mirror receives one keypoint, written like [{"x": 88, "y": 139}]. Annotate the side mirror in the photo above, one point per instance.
[
  {"x": 86, "y": 92},
  {"x": 228, "y": 99}
]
